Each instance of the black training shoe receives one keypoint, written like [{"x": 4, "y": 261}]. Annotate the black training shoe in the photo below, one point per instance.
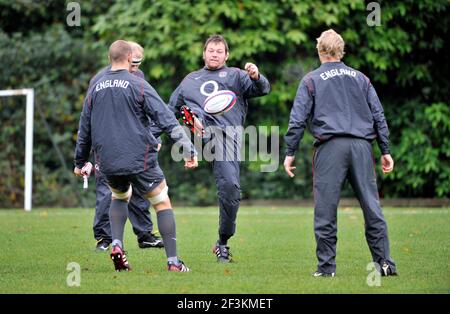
[
  {"x": 320, "y": 274},
  {"x": 150, "y": 240},
  {"x": 222, "y": 253},
  {"x": 386, "y": 270},
  {"x": 102, "y": 245}
]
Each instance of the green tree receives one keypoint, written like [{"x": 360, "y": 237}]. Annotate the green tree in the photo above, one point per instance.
[{"x": 406, "y": 58}]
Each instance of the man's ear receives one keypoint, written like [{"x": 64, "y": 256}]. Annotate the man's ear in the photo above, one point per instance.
[
  {"x": 226, "y": 58},
  {"x": 130, "y": 58}
]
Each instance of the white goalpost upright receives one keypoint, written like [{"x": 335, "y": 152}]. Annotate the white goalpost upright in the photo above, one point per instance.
[{"x": 29, "y": 93}]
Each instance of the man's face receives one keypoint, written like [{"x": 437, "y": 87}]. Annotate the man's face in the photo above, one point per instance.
[
  {"x": 215, "y": 55},
  {"x": 135, "y": 61}
]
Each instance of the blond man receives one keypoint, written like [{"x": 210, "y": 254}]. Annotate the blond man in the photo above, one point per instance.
[
  {"x": 345, "y": 116},
  {"x": 137, "y": 53}
]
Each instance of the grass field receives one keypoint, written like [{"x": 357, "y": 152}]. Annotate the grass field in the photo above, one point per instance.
[{"x": 274, "y": 249}]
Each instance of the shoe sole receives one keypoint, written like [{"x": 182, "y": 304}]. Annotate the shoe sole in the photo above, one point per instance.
[
  {"x": 146, "y": 245},
  {"x": 177, "y": 270},
  {"x": 389, "y": 275},
  {"x": 326, "y": 275}
]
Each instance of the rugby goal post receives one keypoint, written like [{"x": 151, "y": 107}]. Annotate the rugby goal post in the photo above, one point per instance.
[{"x": 29, "y": 93}]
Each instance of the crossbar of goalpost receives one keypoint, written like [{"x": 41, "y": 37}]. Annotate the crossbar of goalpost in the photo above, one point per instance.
[{"x": 29, "y": 93}]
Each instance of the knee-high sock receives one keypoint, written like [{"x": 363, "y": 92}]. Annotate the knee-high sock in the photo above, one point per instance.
[
  {"x": 118, "y": 213},
  {"x": 167, "y": 228}
]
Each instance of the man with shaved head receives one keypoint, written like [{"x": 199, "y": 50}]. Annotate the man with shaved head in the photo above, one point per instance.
[
  {"x": 139, "y": 213},
  {"x": 119, "y": 51},
  {"x": 117, "y": 113}
]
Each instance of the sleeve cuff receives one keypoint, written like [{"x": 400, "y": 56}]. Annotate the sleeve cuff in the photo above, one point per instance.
[
  {"x": 290, "y": 152},
  {"x": 258, "y": 79},
  {"x": 385, "y": 150},
  {"x": 79, "y": 165}
]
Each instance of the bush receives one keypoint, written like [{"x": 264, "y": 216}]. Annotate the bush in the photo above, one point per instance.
[{"x": 50, "y": 63}]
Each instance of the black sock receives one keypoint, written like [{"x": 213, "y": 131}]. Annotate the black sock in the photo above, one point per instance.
[
  {"x": 167, "y": 228},
  {"x": 223, "y": 239},
  {"x": 118, "y": 214}
]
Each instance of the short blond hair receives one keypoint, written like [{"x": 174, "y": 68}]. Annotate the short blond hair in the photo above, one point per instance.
[
  {"x": 330, "y": 44},
  {"x": 135, "y": 47}
]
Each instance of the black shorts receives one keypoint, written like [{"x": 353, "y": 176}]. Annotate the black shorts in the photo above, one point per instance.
[{"x": 142, "y": 182}]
